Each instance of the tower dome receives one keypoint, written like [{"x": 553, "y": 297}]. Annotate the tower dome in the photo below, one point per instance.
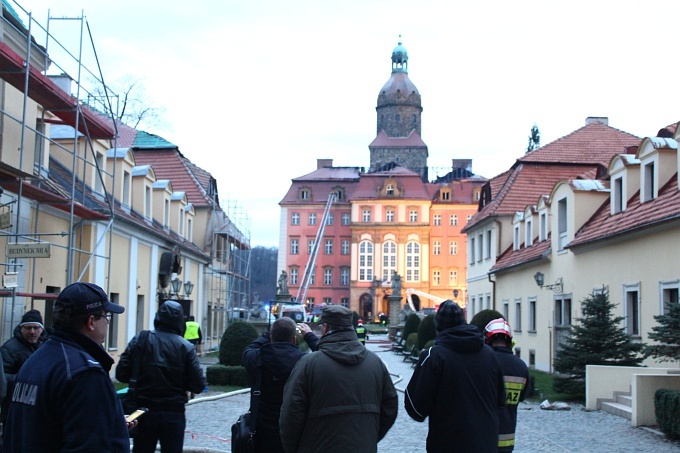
[{"x": 399, "y": 58}]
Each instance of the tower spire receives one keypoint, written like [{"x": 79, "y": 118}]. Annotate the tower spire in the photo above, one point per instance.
[{"x": 399, "y": 58}]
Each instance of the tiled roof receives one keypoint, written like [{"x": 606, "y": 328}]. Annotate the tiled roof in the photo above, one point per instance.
[
  {"x": 319, "y": 191},
  {"x": 413, "y": 187},
  {"x": 144, "y": 140},
  {"x": 511, "y": 258},
  {"x": 594, "y": 143},
  {"x": 169, "y": 164},
  {"x": 412, "y": 141},
  {"x": 61, "y": 177},
  {"x": 326, "y": 173},
  {"x": 603, "y": 225},
  {"x": 126, "y": 136}
]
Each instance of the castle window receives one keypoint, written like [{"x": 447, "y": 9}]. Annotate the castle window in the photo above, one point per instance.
[
  {"x": 305, "y": 194},
  {"x": 445, "y": 194},
  {"x": 389, "y": 190}
]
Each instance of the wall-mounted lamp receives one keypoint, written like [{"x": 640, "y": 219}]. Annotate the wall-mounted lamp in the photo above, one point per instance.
[
  {"x": 188, "y": 288},
  {"x": 540, "y": 280},
  {"x": 176, "y": 286},
  {"x": 455, "y": 293}
]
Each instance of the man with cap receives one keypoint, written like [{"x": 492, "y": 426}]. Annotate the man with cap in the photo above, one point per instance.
[
  {"x": 339, "y": 398},
  {"x": 64, "y": 399},
  {"x": 168, "y": 369},
  {"x": 29, "y": 334},
  {"x": 458, "y": 384}
]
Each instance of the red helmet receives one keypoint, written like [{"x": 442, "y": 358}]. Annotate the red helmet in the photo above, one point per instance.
[
  {"x": 497, "y": 326},
  {"x": 360, "y": 321}
]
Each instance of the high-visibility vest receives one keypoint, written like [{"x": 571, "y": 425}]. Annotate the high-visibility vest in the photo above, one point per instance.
[
  {"x": 192, "y": 331},
  {"x": 361, "y": 333}
]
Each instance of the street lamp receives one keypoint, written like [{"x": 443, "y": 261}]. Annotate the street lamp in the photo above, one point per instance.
[
  {"x": 176, "y": 286},
  {"x": 188, "y": 288},
  {"x": 555, "y": 287}
]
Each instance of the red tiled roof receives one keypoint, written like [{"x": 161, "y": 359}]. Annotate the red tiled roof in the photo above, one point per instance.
[
  {"x": 169, "y": 164},
  {"x": 126, "y": 136},
  {"x": 511, "y": 258},
  {"x": 413, "y": 187},
  {"x": 603, "y": 225},
  {"x": 319, "y": 191},
  {"x": 594, "y": 143},
  {"x": 412, "y": 141}
]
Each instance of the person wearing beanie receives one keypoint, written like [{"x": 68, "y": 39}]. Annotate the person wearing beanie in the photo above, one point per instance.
[
  {"x": 458, "y": 384},
  {"x": 28, "y": 336},
  {"x": 340, "y": 398},
  {"x": 64, "y": 398}
]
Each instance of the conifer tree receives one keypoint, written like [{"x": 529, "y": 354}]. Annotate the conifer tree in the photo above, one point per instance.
[
  {"x": 666, "y": 334},
  {"x": 534, "y": 139},
  {"x": 595, "y": 340}
]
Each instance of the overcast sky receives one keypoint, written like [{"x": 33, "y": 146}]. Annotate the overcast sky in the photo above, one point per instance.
[{"x": 255, "y": 91}]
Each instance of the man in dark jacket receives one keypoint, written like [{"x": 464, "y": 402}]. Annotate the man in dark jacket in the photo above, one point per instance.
[
  {"x": 29, "y": 334},
  {"x": 340, "y": 398},
  {"x": 497, "y": 334},
  {"x": 275, "y": 356},
  {"x": 458, "y": 383},
  {"x": 64, "y": 398},
  {"x": 168, "y": 369}
]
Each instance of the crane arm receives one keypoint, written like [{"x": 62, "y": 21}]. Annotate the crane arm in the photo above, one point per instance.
[{"x": 410, "y": 291}]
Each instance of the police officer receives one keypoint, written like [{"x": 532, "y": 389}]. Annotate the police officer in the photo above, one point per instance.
[{"x": 361, "y": 331}]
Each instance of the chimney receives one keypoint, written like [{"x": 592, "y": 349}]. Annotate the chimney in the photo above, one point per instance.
[
  {"x": 64, "y": 82},
  {"x": 597, "y": 119},
  {"x": 323, "y": 163}
]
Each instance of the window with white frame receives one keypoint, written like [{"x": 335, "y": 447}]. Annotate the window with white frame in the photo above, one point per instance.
[
  {"x": 543, "y": 226},
  {"x": 413, "y": 215},
  {"x": 366, "y": 215},
  {"x": 617, "y": 195},
  {"x": 180, "y": 228},
  {"x": 532, "y": 315},
  {"x": 98, "y": 185},
  {"x": 506, "y": 310},
  {"x": 328, "y": 247},
  {"x": 518, "y": 315},
  {"x": 389, "y": 190},
  {"x": 515, "y": 237},
  {"x": 294, "y": 246},
  {"x": 477, "y": 195},
  {"x": 310, "y": 246},
  {"x": 648, "y": 188},
  {"x": 344, "y": 301},
  {"x": 328, "y": 276},
  {"x": 344, "y": 247},
  {"x": 669, "y": 295},
  {"x": 365, "y": 261},
  {"x": 437, "y": 247},
  {"x": 294, "y": 275},
  {"x": 453, "y": 278},
  {"x": 487, "y": 245},
  {"x": 389, "y": 215},
  {"x": 147, "y": 202},
  {"x": 312, "y": 277},
  {"x": 467, "y": 218},
  {"x": 473, "y": 305},
  {"x": 453, "y": 247},
  {"x": 312, "y": 218},
  {"x": 126, "y": 187},
  {"x": 562, "y": 311},
  {"x": 166, "y": 213},
  {"x": 446, "y": 194},
  {"x": 529, "y": 233},
  {"x": 345, "y": 218},
  {"x": 632, "y": 309},
  {"x": 437, "y": 219},
  {"x": 472, "y": 251},
  {"x": 295, "y": 218},
  {"x": 330, "y": 219},
  {"x": 562, "y": 223},
  {"x": 344, "y": 276},
  {"x": 327, "y": 300},
  {"x": 412, "y": 262},
  {"x": 190, "y": 230},
  {"x": 488, "y": 301},
  {"x": 453, "y": 220},
  {"x": 305, "y": 194},
  {"x": 436, "y": 277},
  {"x": 389, "y": 260},
  {"x": 480, "y": 246}
]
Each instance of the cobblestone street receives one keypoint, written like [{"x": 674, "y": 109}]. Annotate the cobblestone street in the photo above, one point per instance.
[{"x": 209, "y": 423}]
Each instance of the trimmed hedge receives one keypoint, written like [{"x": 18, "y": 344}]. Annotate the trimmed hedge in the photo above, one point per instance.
[
  {"x": 426, "y": 331},
  {"x": 667, "y": 411},
  {"x": 484, "y": 317},
  {"x": 411, "y": 325},
  {"x": 235, "y": 339},
  {"x": 227, "y": 375}
]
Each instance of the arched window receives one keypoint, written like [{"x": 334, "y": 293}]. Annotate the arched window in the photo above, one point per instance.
[
  {"x": 389, "y": 261},
  {"x": 365, "y": 261},
  {"x": 412, "y": 262}
]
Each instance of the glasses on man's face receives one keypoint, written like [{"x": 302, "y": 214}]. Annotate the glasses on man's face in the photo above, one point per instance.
[{"x": 108, "y": 317}]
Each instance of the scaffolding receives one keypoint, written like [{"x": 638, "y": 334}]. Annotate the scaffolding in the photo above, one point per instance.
[{"x": 55, "y": 84}]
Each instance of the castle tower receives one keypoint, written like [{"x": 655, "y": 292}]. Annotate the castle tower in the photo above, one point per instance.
[{"x": 399, "y": 112}]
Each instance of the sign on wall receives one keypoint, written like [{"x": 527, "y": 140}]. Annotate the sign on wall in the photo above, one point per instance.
[{"x": 28, "y": 250}]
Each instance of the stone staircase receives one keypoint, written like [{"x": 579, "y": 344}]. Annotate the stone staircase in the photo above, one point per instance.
[{"x": 621, "y": 405}]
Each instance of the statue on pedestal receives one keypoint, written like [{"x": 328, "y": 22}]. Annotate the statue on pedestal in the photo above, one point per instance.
[
  {"x": 282, "y": 286},
  {"x": 396, "y": 284}
]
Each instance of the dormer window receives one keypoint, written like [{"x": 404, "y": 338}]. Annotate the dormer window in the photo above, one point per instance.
[
  {"x": 126, "y": 188},
  {"x": 648, "y": 186},
  {"x": 147, "y": 202},
  {"x": 617, "y": 195},
  {"x": 529, "y": 240},
  {"x": 339, "y": 193},
  {"x": 445, "y": 194},
  {"x": 562, "y": 223},
  {"x": 166, "y": 213},
  {"x": 305, "y": 194},
  {"x": 516, "y": 237},
  {"x": 389, "y": 190},
  {"x": 542, "y": 226}
]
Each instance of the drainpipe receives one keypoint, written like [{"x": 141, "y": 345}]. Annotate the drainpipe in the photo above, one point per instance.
[{"x": 493, "y": 291}]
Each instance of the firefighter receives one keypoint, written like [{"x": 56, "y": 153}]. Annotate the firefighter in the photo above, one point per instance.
[{"x": 362, "y": 334}]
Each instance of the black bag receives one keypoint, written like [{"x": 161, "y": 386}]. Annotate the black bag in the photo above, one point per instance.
[{"x": 242, "y": 438}]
